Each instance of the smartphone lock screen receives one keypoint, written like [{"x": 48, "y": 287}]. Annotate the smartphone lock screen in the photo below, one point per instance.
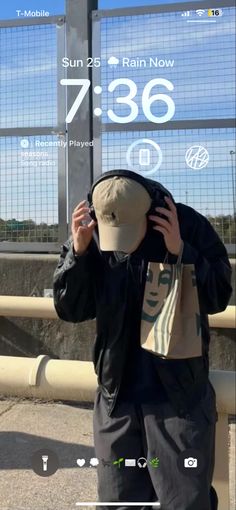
[{"x": 116, "y": 322}]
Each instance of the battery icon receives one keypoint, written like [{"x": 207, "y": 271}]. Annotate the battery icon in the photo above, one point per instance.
[{"x": 214, "y": 12}]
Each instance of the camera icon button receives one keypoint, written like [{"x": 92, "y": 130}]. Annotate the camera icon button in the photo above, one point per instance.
[{"x": 191, "y": 462}]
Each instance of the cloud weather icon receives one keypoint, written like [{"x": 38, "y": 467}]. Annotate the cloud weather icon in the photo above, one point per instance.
[
  {"x": 113, "y": 61},
  {"x": 94, "y": 462}
]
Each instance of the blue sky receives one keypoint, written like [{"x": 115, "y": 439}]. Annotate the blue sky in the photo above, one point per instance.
[
  {"x": 203, "y": 77},
  {"x": 8, "y": 9}
]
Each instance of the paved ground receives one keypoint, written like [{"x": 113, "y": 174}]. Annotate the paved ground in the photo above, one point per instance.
[{"x": 27, "y": 426}]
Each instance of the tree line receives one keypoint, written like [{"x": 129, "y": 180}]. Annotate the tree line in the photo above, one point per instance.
[
  {"x": 30, "y": 231},
  {"x": 27, "y": 231}
]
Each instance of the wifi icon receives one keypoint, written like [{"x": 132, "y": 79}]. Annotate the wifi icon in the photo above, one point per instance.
[{"x": 200, "y": 12}]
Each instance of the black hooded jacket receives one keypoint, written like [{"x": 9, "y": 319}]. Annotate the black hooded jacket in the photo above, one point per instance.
[{"x": 110, "y": 288}]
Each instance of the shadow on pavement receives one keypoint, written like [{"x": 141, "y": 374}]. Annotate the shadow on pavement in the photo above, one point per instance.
[{"x": 17, "y": 448}]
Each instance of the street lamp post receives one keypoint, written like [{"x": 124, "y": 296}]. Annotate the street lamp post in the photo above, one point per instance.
[
  {"x": 232, "y": 154},
  {"x": 186, "y": 193}
]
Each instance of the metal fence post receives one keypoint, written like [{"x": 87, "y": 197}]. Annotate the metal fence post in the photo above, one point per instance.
[{"x": 78, "y": 32}]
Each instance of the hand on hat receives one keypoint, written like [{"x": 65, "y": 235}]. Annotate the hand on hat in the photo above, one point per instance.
[
  {"x": 168, "y": 227},
  {"x": 81, "y": 233}
]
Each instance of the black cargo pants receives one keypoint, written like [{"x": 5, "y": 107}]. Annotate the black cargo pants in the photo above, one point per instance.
[{"x": 155, "y": 431}]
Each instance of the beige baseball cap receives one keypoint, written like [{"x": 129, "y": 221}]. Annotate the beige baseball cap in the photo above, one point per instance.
[{"x": 121, "y": 205}]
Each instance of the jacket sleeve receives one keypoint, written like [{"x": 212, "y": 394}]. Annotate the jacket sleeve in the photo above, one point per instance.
[
  {"x": 73, "y": 285},
  {"x": 213, "y": 270}
]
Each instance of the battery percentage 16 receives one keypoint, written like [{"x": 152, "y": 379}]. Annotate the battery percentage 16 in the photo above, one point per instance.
[{"x": 215, "y": 12}]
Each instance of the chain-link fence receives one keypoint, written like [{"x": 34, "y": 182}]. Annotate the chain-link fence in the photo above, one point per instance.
[
  {"x": 171, "y": 73},
  {"x": 163, "y": 104},
  {"x": 30, "y": 160}
]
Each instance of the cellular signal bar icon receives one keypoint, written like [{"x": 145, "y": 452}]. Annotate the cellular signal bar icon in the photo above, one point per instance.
[{"x": 186, "y": 13}]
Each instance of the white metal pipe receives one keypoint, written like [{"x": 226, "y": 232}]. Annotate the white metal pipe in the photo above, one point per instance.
[
  {"x": 51, "y": 379},
  {"x": 221, "y": 469},
  {"x": 226, "y": 319},
  {"x": 47, "y": 378},
  {"x": 40, "y": 307},
  {"x": 23, "y": 306},
  {"x": 224, "y": 385}
]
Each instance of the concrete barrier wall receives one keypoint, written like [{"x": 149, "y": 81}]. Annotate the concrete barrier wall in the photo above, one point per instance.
[{"x": 29, "y": 275}]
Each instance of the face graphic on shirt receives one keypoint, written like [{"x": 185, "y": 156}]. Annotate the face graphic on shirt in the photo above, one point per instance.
[{"x": 158, "y": 285}]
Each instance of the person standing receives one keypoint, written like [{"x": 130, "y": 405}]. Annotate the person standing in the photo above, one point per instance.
[{"x": 148, "y": 409}]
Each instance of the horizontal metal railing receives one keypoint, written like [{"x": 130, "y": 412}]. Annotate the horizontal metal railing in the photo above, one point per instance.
[{"x": 43, "y": 308}]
